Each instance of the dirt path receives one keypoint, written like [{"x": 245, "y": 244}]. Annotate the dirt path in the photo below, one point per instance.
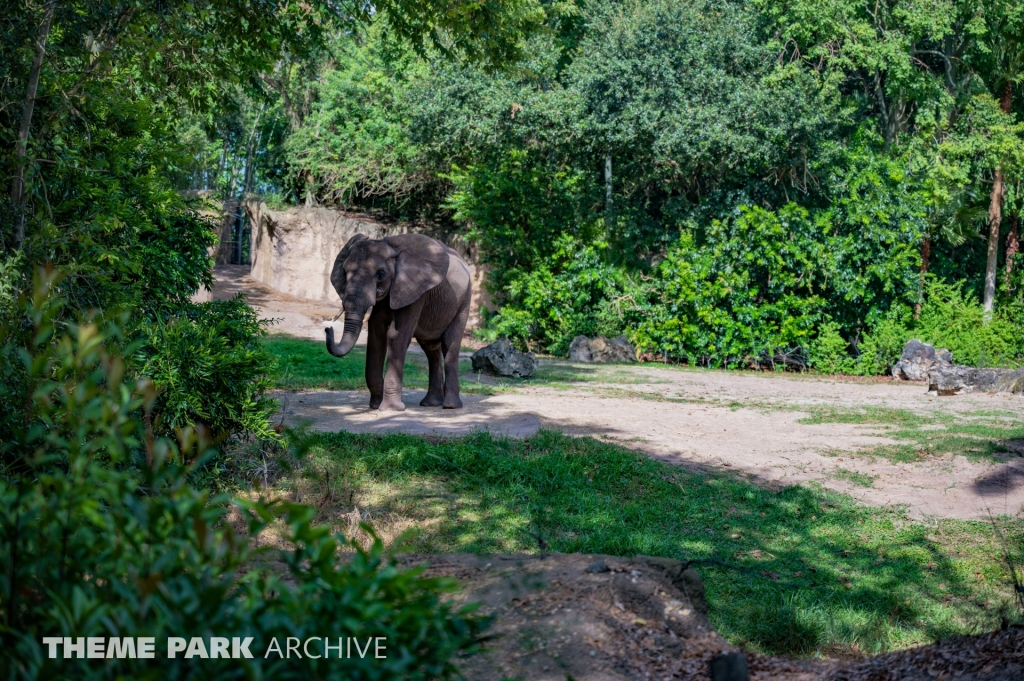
[{"x": 742, "y": 422}]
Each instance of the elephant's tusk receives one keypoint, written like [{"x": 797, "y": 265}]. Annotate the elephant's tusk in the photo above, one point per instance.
[{"x": 340, "y": 312}]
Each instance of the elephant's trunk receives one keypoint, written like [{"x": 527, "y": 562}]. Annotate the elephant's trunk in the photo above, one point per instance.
[{"x": 353, "y": 325}]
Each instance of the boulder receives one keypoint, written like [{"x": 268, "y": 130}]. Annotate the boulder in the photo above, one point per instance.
[
  {"x": 500, "y": 358},
  {"x": 950, "y": 380},
  {"x": 918, "y": 359},
  {"x": 601, "y": 349}
]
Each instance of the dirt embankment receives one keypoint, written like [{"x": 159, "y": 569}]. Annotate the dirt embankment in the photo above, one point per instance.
[{"x": 603, "y": 618}]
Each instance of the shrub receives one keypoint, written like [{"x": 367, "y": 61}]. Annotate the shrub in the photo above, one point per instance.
[
  {"x": 211, "y": 368},
  {"x": 92, "y": 547},
  {"x": 750, "y": 291},
  {"x": 949, "y": 319},
  {"x": 520, "y": 213},
  {"x": 955, "y": 320},
  {"x": 570, "y": 292},
  {"x": 883, "y": 345},
  {"x": 830, "y": 352}
]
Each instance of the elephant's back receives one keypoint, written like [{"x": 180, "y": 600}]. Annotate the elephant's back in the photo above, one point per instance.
[
  {"x": 443, "y": 303},
  {"x": 459, "y": 277}
]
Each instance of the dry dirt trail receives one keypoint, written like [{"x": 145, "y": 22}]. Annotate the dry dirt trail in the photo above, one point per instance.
[{"x": 743, "y": 422}]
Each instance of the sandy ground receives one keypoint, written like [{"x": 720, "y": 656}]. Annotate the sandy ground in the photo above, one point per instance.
[
  {"x": 295, "y": 316},
  {"x": 742, "y": 422}
]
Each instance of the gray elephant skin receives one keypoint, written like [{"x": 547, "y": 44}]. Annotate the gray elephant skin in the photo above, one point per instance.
[{"x": 418, "y": 288}]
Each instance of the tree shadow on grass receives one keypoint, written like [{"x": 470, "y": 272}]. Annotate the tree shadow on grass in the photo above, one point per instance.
[{"x": 793, "y": 571}]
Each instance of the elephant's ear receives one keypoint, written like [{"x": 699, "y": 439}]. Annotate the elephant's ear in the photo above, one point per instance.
[
  {"x": 338, "y": 272},
  {"x": 421, "y": 264}
]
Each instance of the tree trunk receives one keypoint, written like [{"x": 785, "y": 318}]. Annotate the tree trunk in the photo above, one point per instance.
[
  {"x": 250, "y": 149},
  {"x": 608, "y": 190},
  {"x": 21, "y": 151},
  {"x": 926, "y": 252},
  {"x": 1012, "y": 248},
  {"x": 995, "y": 219},
  {"x": 220, "y": 166},
  {"x": 310, "y": 190}
]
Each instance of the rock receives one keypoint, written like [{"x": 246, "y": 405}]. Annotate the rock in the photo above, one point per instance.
[
  {"x": 683, "y": 577},
  {"x": 729, "y": 667},
  {"x": 500, "y": 358},
  {"x": 918, "y": 359},
  {"x": 950, "y": 380},
  {"x": 601, "y": 349}
]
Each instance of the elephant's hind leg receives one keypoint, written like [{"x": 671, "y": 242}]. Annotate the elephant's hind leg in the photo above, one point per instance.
[
  {"x": 435, "y": 363},
  {"x": 451, "y": 344}
]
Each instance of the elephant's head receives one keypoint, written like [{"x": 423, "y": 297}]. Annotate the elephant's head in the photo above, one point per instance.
[{"x": 366, "y": 271}]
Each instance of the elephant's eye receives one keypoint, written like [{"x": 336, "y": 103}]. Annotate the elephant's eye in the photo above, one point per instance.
[{"x": 380, "y": 275}]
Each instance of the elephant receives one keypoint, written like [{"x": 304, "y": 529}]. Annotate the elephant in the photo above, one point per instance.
[{"x": 417, "y": 287}]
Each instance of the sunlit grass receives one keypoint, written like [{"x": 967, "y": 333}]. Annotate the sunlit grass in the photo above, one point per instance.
[
  {"x": 799, "y": 571},
  {"x": 979, "y": 436},
  {"x": 306, "y": 365}
]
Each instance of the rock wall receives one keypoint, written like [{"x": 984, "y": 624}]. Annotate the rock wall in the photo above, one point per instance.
[{"x": 293, "y": 250}]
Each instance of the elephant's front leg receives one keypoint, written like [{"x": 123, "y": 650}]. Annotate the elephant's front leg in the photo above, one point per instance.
[
  {"x": 376, "y": 347},
  {"x": 399, "y": 336}
]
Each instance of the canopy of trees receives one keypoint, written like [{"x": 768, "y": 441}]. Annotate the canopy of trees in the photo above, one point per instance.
[
  {"x": 121, "y": 401},
  {"x": 726, "y": 182}
]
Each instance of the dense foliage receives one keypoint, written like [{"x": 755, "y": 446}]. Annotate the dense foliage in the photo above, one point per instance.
[
  {"x": 95, "y": 542},
  {"x": 115, "y": 384},
  {"x": 727, "y": 183}
]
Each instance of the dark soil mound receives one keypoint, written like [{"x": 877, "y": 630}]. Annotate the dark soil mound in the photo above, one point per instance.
[{"x": 603, "y": 618}]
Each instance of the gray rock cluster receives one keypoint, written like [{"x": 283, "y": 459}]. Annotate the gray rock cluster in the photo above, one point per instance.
[
  {"x": 601, "y": 349},
  {"x": 922, "y": 362},
  {"x": 918, "y": 359},
  {"x": 501, "y": 358},
  {"x": 950, "y": 380}
]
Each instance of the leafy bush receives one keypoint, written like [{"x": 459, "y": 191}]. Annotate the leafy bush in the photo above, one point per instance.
[
  {"x": 113, "y": 223},
  {"x": 883, "y": 345},
  {"x": 830, "y": 352},
  {"x": 955, "y": 320},
  {"x": 751, "y": 290},
  {"x": 211, "y": 369},
  {"x": 92, "y": 547},
  {"x": 951, "y": 319},
  {"x": 571, "y": 292},
  {"x": 521, "y": 214}
]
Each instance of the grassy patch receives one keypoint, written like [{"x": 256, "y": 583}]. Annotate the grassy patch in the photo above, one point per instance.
[
  {"x": 827, "y": 413},
  {"x": 854, "y": 477},
  {"x": 306, "y": 365},
  {"x": 979, "y": 436},
  {"x": 792, "y": 572}
]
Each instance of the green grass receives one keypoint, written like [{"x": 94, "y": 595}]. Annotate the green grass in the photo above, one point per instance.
[
  {"x": 827, "y": 413},
  {"x": 855, "y": 477},
  {"x": 799, "y": 571},
  {"x": 977, "y": 436},
  {"x": 306, "y": 365}
]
